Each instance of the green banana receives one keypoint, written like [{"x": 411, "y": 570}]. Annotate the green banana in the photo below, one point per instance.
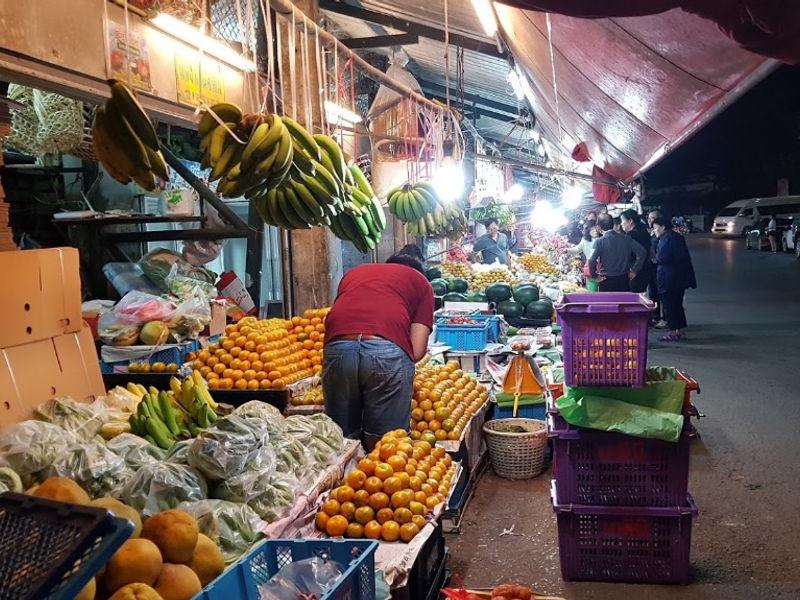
[
  {"x": 276, "y": 129},
  {"x": 303, "y": 138},
  {"x": 225, "y": 111},
  {"x": 319, "y": 191},
  {"x": 257, "y": 137},
  {"x": 311, "y": 204},
  {"x": 361, "y": 180},
  {"x": 359, "y": 196},
  {"x": 146, "y": 181},
  {"x": 326, "y": 178},
  {"x": 128, "y": 106},
  {"x": 260, "y": 204},
  {"x": 123, "y": 136},
  {"x": 274, "y": 211},
  {"x": 157, "y": 163},
  {"x": 194, "y": 430},
  {"x": 229, "y": 158},
  {"x": 298, "y": 205},
  {"x": 334, "y": 152},
  {"x": 301, "y": 158},
  {"x": 377, "y": 213},
  {"x": 115, "y": 162},
  {"x": 159, "y": 432},
  {"x": 285, "y": 206},
  {"x": 218, "y": 143},
  {"x": 168, "y": 413}
]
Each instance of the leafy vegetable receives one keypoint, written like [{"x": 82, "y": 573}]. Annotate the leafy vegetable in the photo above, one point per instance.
[
  {"x": 31, "y": 447},
  {"x": 233, "y": 526},
  {"x": 160, "y": 486},
  {"x": 92, "y": 466},
  {"x": 270, "y": 495},
  {"x": 134, "y": 450},
  {"x": 78, "y": 417},
  {"x": 224, "y": 450}
]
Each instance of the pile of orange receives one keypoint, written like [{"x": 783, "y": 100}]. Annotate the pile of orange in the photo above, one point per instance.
[
  {"x": 262, "y": 354},
  {"x": 444, "y": 401},
  {"x": 390, "y": 493}
]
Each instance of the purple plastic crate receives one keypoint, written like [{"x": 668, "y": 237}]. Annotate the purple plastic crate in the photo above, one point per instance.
[
  {"x": 613, "y": 469},
  {"x": 605, "y": 338},
  {"x": 623, "y": 543}
]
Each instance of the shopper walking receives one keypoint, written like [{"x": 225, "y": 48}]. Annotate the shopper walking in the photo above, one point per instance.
[
  {"x": 376, "y": 330},
  {"x": 675, "y": 275},
  {"x": 493, "y": 246},
  {"x": 634, "y": 228},
  {"x": 613, "y": 252},
  {"x": 772, "y": 233}
]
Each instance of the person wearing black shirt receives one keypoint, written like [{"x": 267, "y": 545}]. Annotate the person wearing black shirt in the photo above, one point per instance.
[{"x": 634, "y": 228}]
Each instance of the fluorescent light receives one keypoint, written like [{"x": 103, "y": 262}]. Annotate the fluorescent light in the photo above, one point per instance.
[
  {"x": 449, "y": 180},
  {"x": 547, "y": 217},
  {"x": 514, "y": 193},
  {"x": 485, "y": 13},
  {"x": 194, "y": 37},
  {"x": 334, "y": 112},
  {"x": 513, "y": 79},
  {"x": 572, "y": 196}
]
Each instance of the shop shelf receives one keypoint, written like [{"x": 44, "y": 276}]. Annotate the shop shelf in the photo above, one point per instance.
[
  {"x": 613, "y": 469},
  {"x": 622, "y": 543},
  {"x": 51, "y": 550},
  {"x": 241, "y": 581},
  {"x": 605, "y": 338},
  {"x": 464, "y": 337}
]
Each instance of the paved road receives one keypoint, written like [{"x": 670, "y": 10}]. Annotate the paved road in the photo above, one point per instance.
[{"x": 745, "y": 474}]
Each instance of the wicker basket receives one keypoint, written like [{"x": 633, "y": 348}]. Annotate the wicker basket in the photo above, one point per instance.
[{"x": 516, "y": 455}]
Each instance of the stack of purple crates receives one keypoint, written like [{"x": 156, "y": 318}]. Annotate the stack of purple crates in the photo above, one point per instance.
[{"x": 623, "y": 511}]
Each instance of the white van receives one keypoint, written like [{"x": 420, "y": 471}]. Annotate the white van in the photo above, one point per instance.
[{"x": 738, "y": 218}]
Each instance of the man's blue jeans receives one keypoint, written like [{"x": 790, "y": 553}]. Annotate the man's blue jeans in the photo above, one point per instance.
[{"x": 368, "y": 386}]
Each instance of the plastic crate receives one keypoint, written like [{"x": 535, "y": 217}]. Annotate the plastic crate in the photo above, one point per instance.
[
  {"x": 464, "y": 337},
  {"x": 533, "y": 411},
  {"x": 173, "y": 354},
  {"x": 605, "y": 338},
  {"x": 494, "y": 324},
  {"x": 623, "y": 543},
  {"x": 241, "y": 581},
  {"x": 51, "y": 550},
  {"x": 426, "y": 568},
  {"x": 613, "y": 469}
]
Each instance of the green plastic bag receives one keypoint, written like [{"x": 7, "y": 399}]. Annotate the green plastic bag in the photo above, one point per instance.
[
  {"x": 507, "y": 400},
  {"x": 653, "y": 411}
]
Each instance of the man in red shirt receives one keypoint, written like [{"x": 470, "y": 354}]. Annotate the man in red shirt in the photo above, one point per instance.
[{"x": 376, "y": 330}]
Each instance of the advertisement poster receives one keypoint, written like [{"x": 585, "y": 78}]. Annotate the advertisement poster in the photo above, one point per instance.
[
  {"x": 128, "y": 53},
  {"x": 192, "y": 89}
]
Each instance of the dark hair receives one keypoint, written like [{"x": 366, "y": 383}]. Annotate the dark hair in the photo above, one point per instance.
[
  {"x": 489, "y": 221},
  {"x": 657, "y": 212},
  {"x": 587, "y": 232},
  {"x": 630, "y": 215},
  {"x": 412, "y": 250},
  {"x": 617, "y": 221},
  {"x": 663, "y": 221},
  {"x": 409, "y": 261},
  {"x": 605, "y": 222}
]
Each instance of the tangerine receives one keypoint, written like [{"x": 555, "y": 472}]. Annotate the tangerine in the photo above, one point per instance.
[
  {"x": 372, "y": 530},
  {"x": 408, "y": 532},
  {"x": 337, "y": 526},
  {"x": 364, "y": 514},
  {"x": 361, "y": 498},
  {"x": 390, "y": 531},
  {"x": 377, "y": 501},
  {"x": 384, "y": 515},
  {"x": 356, "y": 478},
  {"x": 321, "y": 520},
  {"x": 373, "y": 484},
  {"x": 355, "y": 530},
  {"x": 331, "y": 507}
]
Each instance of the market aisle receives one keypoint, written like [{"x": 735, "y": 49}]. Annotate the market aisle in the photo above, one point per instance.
[{"x": 745, "y": 476}]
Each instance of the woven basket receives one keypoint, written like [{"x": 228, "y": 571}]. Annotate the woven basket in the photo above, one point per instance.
[{"x": 516, "y": 455}]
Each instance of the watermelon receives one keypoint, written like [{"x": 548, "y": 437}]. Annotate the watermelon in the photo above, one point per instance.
[
  {"x": 457, "y": 284},
  {"x": 540, "y": 310},
  {"x": 437, "y": 302},
  {"x": 454, "y": 297},
  {"x": 439, "y": 287},
  {"x": 433, "y": 273},
  {"x": 498, "y": 292},
  {"x": 476, "y": 297},
  {"x": 526, "y": 293},
  {"x": 511, "y": 309}
]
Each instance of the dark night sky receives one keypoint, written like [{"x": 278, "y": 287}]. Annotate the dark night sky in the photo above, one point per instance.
[{"x": 746, "y": 148}]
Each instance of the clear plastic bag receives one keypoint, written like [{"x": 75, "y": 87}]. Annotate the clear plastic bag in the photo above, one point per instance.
[
  {"x": 230, "y": 446},
  {"x": 270, "y": 494},
  {"x": 319, "y": 433},
  {"x": 158, "y": 264},
  {"x": 235, "y": 527},
  {"x": 31, "y": 447},
  {"x": 160, "y": 486},
  {"x": 191, "y": 316},
  {"x": 91, "y": 465},
  {"x": 311, "y": 576},
  {"x": 80, "y": 418},
  {"x": 179, "y": 453},
  {"x": 186, "y": 287},
  {"x": 264, "y": 411},
  {"x": 135, "y": 451},
  {"x": 138, "y": 308}
]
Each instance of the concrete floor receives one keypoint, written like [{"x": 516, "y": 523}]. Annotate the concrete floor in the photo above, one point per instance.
[{"x": 744, "y": 350}]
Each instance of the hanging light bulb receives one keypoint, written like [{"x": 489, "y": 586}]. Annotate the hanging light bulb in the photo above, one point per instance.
[{"x": 514, "y": 193}]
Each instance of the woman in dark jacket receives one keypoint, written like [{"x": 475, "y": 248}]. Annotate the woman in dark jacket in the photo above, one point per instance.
[{"x": 675, "y": 274}]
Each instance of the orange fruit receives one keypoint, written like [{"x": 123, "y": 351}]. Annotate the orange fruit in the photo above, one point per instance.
[
  {"x": 408, "y": 532},
  {"x": 390, "y": 531},
  {"x": 265, "y": 384},
  {"x": 417, "y": 508},
  {"x": 392, "y": 485},
  {"x": 321, "y": 521},
  {"x": 377, "y": 501},
  {"x": 364, "y": 514},
  {"x": 331, "y": 507},
  {"x": 361, "y": 498},
  {"x": 226, "y": 383},
  {"x": 347, "y": 510},
  {"x": 337, "y": 526},
  {"x": 356, "y": 478},
  {"x": 213, "y": 384},
  {"x": 403, "y": 515},
  {"x": 355, "y": 530},
  {"x": 240, "y": 384},
  {"x": 401, "y": 499},
  {"x": 367, "y": 466},
  {"x": 431, "y": 502},
  {"x": 384, "y": 515},
  {"x": 383, "y": 471},
  {"x": 397, "y": 463},
  {"x": 372, "y": 530},
  {"x": 420, "y": 497},
  {"x": 386, "y": 450},
  {"x": 252, "y": 384},
  {"x": 373, "y": 484},
  {"x": 418, "y": 520},
  {"x": 343, "y": 494}
]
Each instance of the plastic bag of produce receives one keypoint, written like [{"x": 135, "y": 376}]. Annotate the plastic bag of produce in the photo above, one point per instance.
[
  {"x": 262, "y": 410},
  {"x": 319, "y": 433},
  {"x": 270, "y": 494},
  {"x": 135, "y": 451},
  {"x": 230, "y": 446},
  {"x": 157, "y": 265},
  {"x": 188, "y": 287},
  {"x": 92, "y": 466},
  {"x": 10, "y": 481},
  {"x": 293, "y": 458},
  {"x": 179, "y": 453},
  {"x": 235, "y": 527},
  {"x": 159, "y": 486},
  {"x": 138, "y": 308},
  {"x": 191, "y": 317},
  {"x": 80, "y": 418},
  {"x": 310, "y": 577},
  {"x": 30, "y": 447}
]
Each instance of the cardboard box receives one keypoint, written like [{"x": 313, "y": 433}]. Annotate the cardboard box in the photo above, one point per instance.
[
  {"x": 30, "y": 374},
  {"x": 218, "y": 318},
  {"x": 41, "y": 297}
]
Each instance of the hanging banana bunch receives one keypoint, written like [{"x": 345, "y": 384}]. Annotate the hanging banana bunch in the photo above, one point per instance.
[
  {"x": 125, "y": 141},
  {"x": 420, "y": 207}
]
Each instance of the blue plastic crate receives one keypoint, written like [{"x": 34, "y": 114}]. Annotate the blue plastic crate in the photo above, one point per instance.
[
  {"x": 174, "y": 354},
  {"x": 494, "y": 325},
  {"x": 241, "y": 581},
  {"x": 533, "y": 411},
  {"x": 464, "y": 337}
]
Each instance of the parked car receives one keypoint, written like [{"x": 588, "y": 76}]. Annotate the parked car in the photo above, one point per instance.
[
  {"x": 740, "y": 217},
  {"x": 757, "y": 238}
]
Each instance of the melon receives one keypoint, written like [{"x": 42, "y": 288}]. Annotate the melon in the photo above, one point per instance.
[
  {"x": 540, "y": 309},
  {"x": 454, "y": 297},
  {"x": 457, "y": 284},
  {"x": 511, "y": 309},
  {"x": 526, "y": 293},
  {"x": 433, "y": 273},
  {"x": 439, "y": 287},
  {"x": 499, "y": 292},
  {"x": 476, "y": 297}
]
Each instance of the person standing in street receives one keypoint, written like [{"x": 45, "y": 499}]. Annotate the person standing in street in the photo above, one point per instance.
[
  {"x": 675, "y": 274},
  {"x": 634, "y": 228},
  {"x": 378, "y": 327},
  {"x": 583, "y": 250},
  {"x": 656, "y": 318},
  {"x": 614, "y": 251},
  {"x": 772, "y": 233},
  {"x": 493, "y": 246}
]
